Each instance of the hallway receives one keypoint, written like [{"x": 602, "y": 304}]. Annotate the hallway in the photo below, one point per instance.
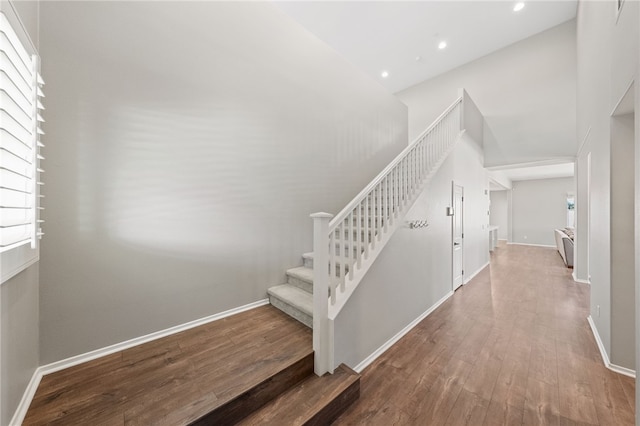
[{"x": 511, "y": 347}]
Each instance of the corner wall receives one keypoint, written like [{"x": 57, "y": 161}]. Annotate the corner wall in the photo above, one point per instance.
[
  {"x": 19, "y": 296},
  {"x": 187, "y": 144},
  {"x": 19, "y": 346},
  {"x": 607, "y": 64}
]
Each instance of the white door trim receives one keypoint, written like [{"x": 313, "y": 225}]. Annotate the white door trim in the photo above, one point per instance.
[{"x": 457, "y": 243}]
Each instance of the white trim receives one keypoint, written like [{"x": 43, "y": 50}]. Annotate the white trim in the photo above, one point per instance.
[
  {"x": 15, "y": 271},
  {"x": 477, "y": 272},
  {"x": 43, "y": 370},
  {"x": 532, "y": 245},
  {"x": 622, "y": 370},
  {"x": 551, "y": 162},
  {"x": 578, "y": 280},
  {"x": 624, "y": 95},
  {"x": 603, "y": 353},
  {"x": 382, "y": 349},
  {"x": 26, "y": 34},
  {"x": 27, "y": 397},
  {"x": 584, "y": 140}
]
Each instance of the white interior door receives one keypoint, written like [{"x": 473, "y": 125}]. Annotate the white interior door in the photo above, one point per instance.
[{"x": 458, "y": 235}]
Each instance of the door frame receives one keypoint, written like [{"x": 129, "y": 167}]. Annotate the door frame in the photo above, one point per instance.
[{"x": 454, "y": 184}]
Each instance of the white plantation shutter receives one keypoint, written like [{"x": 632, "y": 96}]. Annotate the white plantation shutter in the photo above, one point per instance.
[{"x": 20, "y": 118}]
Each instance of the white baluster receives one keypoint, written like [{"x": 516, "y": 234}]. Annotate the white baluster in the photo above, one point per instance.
[
  {"x": 365, "y": 234},
  {"x": 372, "y": 238},
  {"x": 387, "y": 215},
  {"x": 350, "y": 255},
  {"x": 359, "y": 228}
]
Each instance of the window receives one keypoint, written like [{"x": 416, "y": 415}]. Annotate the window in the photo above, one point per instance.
[
  {"x": 571, "y": 211},
  {"x": 20, "y": 118}
]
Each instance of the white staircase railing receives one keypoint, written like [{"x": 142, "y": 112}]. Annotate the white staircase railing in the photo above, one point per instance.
[{"x": 350, "y": 242}]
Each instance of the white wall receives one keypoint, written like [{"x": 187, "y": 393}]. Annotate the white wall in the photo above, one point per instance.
[
  {"x": 526, "y": 92},
  {"x": 538, "y": 207},
  {"x": 414, "y": 271},
  {"x": 499, "y": 212},
  {"x": 187, "y": 144},
  {"x": 19, "y": 317},
  {"x": 607, "y": 63}
]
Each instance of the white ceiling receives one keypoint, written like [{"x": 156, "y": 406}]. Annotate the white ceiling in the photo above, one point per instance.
[{"x": 390, "y": 35}]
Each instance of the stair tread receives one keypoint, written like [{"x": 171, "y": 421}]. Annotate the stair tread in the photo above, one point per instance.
[
  {"x": 293, "y": 296},
  {"x": 302, "y": 273},
  {"x": 301, "y": 403}
]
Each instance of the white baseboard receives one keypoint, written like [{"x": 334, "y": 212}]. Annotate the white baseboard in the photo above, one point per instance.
[
  {"x": 382, "y": 349},
  {"x": 578, "y": 280},
  {"x": 43, "y": 370},
  {"x": 27, "y": 397},
  {"x": 532, "y": 245},
  {"x": 603, "y": 353},
  {"x": 472, "y": 276}
]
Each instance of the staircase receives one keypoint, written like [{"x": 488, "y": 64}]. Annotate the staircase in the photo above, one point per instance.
[
  {"x": 295, "y": 297},
  {"x": 345, "y": 246}
]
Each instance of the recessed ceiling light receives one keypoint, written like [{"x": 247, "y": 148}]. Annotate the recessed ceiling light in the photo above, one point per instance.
[
  {"x": 518, "y": 7},
  {"x": 418, "y": 58},
  {"x": 442, "y": 45},
  {"x": 384, "y": 74}
]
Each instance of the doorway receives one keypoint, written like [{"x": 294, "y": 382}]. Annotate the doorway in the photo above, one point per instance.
[{"x": 457, "y": 235}]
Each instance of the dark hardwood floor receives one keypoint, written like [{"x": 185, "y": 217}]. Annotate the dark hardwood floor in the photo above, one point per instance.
[
  {"x": 512, "y": 347},
  {"x": 179, "y": 379}
]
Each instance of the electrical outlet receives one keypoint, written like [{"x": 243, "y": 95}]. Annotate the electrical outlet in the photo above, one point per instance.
[
  {"x": 598, "y": 310},
  {"x": 525, "y": 237}
]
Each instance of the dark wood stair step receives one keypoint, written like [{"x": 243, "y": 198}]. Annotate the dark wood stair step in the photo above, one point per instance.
[
  {"x": 259, "y": 394},
  {"x": 216, "y": 373},
  {"x": 314, "y": 401}
]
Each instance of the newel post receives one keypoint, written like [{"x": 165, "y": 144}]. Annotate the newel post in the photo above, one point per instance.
[{"x": 322, "y": 335}]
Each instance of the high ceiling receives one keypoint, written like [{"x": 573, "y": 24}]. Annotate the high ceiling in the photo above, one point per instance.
[{"x": 402, "y": 37}]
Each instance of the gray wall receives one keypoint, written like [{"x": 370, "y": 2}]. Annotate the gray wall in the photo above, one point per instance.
[
  {"x": 19, "y": 314},
  {"x": 538, "y": 207},
  {"x": 499, "y": 212},
  {"x": 525, "y": 91},
  {"x": 19, "y": 338},
  {"x": 187, "y": 144},
  {"x": 622, "y": 241},
  {"x": 414, "y": 271},
  {"x": 607, "y": 63}
]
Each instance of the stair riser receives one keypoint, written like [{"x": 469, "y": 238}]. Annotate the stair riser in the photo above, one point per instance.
[
  {"x": 335, "y": 408},
  {"x": 240, "y": 407},
  {"x": 302, "y": 284},
  {"x": 292, "y": 311}
]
